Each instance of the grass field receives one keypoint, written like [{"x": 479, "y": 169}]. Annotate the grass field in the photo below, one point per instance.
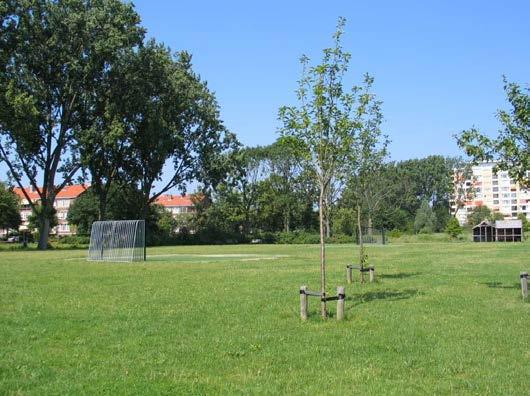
[{"x": 443, "y": 318}]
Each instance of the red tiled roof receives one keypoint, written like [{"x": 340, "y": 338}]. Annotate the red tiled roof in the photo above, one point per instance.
[
  {"x": 71, "y": 192},
  {"x": 170, "y": 200}
]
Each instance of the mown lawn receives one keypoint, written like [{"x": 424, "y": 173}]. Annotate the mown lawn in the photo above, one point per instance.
[{"x": 443, "y": 318}]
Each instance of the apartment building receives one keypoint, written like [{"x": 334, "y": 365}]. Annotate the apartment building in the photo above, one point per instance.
[
  {"x": 496, "y": 191},
  {"x": 62, "y": 204}
]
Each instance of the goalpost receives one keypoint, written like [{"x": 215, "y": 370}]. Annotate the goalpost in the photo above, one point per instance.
[{"x": 118, "y": 240}]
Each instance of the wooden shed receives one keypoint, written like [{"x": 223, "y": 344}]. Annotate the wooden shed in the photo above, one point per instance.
[
  {"x": 484, "y": 232},
  {"x": 509, "y": 230},
  {"x": 500, "y": 231}
]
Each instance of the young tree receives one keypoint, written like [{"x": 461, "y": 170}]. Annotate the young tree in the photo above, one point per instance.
[
  {"x": 54, "y": 55},
  {"x": 328, "y": 122},
  {"x": 511, "y": 148}
]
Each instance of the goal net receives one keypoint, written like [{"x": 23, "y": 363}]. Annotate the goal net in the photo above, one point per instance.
[{"x": 122, "y": 240}]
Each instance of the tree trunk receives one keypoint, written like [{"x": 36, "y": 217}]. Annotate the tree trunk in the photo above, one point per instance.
[
  {"x": 44, "y": 230},
  {"x": 103, "y": 205},
  {"x": 328, "y": 228},
  {"x": 323, "y": 310},
  {"x": 370, "y": 231},
  {"x": 286, "y": 227},
  {"x": 361, "y": 245}
]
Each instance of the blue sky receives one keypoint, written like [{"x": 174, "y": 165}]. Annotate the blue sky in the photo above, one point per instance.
[{"x": 438, "y": 65}]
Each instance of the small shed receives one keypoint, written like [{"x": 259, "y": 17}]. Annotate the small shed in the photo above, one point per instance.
[
  {"x": 484, "y": 232},
  {"x": 509, "y": 230}
]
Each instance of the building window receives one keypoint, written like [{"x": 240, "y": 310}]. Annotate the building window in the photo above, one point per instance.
[{"x": 495, "y": 202}]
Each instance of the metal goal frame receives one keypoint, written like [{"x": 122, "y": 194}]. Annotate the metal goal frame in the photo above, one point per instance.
[{"x": 117, "y": 241}]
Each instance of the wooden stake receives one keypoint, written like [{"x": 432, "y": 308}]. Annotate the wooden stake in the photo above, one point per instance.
[
  {"x": 524, "y": 285},
  {"x": 303, "y": 302},
  {"x": 349, "y": 274},
  {"x": 340, "y": 302},
  {"x": 372, "y": 274}
]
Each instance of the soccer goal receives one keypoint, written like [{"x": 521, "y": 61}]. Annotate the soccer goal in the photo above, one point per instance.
[{"x": 122, "y": 240}]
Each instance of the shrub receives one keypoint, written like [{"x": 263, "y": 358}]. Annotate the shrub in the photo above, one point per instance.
[
  {"x": 297, "y": 237},
  {"x": 395, "y": 233},
  {"x": 453, "y": 228}
]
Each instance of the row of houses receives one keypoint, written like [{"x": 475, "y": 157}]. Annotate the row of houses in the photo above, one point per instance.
[{"x": 176, "y": 204}]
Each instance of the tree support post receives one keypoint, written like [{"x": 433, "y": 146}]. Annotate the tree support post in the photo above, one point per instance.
[
  {"x": 303, "y": 302},
  {"x": 372, "y": 274},
  {"x": 349, "y": 274},
  {"x": 524, "y": 285},
  {"x": 341, "y": 297}
]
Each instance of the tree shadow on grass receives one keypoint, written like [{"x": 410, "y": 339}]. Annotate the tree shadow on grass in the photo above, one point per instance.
[
  {"x": 388, "y": 295},
  {"x": 400, "y": 275},
  {"x": 500, "y": 285}
]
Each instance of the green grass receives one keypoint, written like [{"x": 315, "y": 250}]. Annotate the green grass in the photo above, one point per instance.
[{"x": 443, "y": 318}]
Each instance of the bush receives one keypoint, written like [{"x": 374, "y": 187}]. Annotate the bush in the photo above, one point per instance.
[
  {"x": 395, "y": 233},
  {"x": 453, "y": 228},
  {"x": 297, "y": 237},
  {"x": 340, "y": 238}
]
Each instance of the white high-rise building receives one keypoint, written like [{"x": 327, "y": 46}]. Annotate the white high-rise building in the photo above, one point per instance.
[{"x": 496, "y": 191}]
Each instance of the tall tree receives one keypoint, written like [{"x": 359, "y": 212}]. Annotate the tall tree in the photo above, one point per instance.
[
  {"x": 425, "y": 219},
  {"x": 9, "y": 208},
  {"x": 171, "y": 117},
  {"x": 327, "y": 121},
  {"x": 511, "y": 148},
  {"x": 54, "y": 54},
  {"x": 284, "y": 159}
]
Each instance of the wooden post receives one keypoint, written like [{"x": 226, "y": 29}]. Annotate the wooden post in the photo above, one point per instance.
[
  {"x": 303, "y": 302},
  {"x": 372, "y": 274},
  {"x": 340, "y": 302},
  {"x": 524, "y": 285},
  {"x": 349, "y": 274}
]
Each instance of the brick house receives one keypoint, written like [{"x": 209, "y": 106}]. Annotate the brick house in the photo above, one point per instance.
[
  {"x": 176, "y": 204},
  {"x": 62, "y": 203}
]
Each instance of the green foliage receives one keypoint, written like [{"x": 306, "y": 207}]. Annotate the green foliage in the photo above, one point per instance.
[
  {"x": 403, "y": 186},
  {"x": 453, "y": 228},
  {"x": 83, "y": 212},
  {"x": 526, "y": 223},
  {"x": 297, "y": 237},
  {"x": 511, "y": 148},
  {"x": 481, "y": 213},
  {"x": 425, "y": 219},
  {"x": 344, "y": 220},
  {"x": 39, "y": 213},
  {"x": 9, "y": 208},
  {"x": 395, "y": 233}
]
